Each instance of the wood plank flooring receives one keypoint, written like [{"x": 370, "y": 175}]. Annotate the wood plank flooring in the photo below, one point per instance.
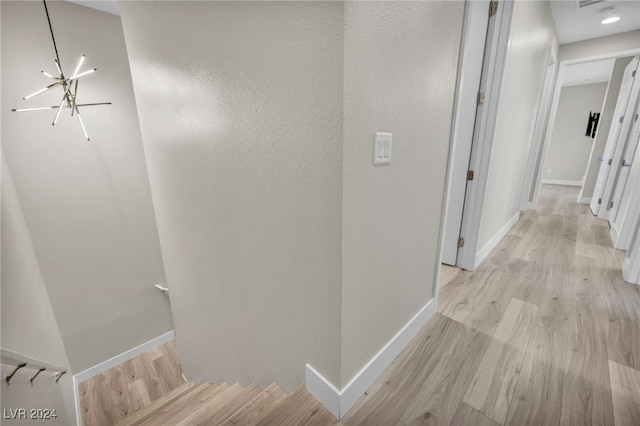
[
  {"x": 544, "y": 333},
  {"x": 113, "y": 395}
]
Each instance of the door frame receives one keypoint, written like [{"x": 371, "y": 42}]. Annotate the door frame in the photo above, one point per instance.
[
  {"x": 631, "y": 264},
  {"x": 486, "y": 119},
  {"x": 532, "y": 176},
  {"x": 554, "y": 107},
  {"x": 475, "y": 27},
  {"x": 622, "y": 226},
  {"x": 604, "y": 212},
  {"x": 493, "y": 69}
]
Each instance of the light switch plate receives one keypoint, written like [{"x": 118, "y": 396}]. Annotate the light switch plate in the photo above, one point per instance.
[{"x": 382, "y": 148}]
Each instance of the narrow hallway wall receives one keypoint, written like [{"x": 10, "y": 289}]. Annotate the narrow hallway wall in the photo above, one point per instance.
[
  {"x": 401, "y": 61},
  {"x": 241, "y": 114},
  {"x": 29, "y": 326},
  {"x": 87, "y": 205}
]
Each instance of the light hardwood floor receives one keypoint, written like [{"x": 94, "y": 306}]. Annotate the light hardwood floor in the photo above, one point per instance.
[
  {"x": 544, "y": 333},
  {"x": 127, "y": 388}
]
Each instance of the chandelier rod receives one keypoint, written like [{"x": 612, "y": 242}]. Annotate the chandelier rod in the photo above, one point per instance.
[{"x": 52, "y": 37}]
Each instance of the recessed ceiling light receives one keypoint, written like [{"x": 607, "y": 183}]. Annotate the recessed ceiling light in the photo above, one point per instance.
[{"x": 609, "y": 16}]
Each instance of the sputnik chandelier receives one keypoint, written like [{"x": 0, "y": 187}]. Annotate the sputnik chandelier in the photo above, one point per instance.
[{"x": 69, "y": 86}]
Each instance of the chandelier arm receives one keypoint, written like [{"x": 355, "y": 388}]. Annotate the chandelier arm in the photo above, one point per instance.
[
  {"x": 55, "y": 119},
  {"x": 82, "y": 123},
  {"x": 94, "y": 104}
]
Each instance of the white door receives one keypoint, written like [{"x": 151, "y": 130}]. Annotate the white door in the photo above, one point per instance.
[
  {"x": 627, "y": 90},
  {"x": 629, "y": 153},
  {"x": 477, "y": 20}
]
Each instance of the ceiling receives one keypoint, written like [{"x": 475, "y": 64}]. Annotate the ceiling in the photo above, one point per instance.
[
  {"x": 572, "y": 23},
  {"x": 588, "y": 72},
  {"x": 109, "y": 6},
  {"x": 576, "y": 24}
]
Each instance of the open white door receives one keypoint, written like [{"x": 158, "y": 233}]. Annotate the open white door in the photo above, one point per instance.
[
  {"x": 619, "y": 127},
  {"x": 475, "y": 34},
  {"x": 627, "y": 160}
]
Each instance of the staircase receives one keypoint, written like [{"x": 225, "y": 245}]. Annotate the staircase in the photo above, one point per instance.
[{"x": 212, "y": 404}]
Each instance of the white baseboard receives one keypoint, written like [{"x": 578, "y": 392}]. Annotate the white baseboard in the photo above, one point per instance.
[
  {"x": 338, "y": 402},
  {"x": 584, "y": 200},
  {"x": 563, "y": 182},
  {"x": 112, "y": 362},
  {"x": 493, "y": 242}
]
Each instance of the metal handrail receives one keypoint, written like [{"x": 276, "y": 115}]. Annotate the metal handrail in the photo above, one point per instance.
[{"x": 161, "y": 288}]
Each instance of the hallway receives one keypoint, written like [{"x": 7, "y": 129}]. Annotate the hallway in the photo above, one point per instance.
[{"x": 545, "y": 332}]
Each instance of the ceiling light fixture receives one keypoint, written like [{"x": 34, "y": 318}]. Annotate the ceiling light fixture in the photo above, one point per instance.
[
  {"x": 609, "y": 15},
  {"x": 69, "y": 86}
]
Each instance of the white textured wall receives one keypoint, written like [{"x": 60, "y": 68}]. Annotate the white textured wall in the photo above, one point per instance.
[
  {"x": 29, "y": 326},
  {"x": 400, "y": 71},
  {"x": 241, "y": 113},
  {"x": 569, "y": 148},
  {"x": 87, "y": 205},
  {"x": 608, "y": 107},
  {"x": 532, "y": 32}
]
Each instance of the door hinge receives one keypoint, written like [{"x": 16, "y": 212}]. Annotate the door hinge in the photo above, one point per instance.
[
  {"x": 633, "y": 74},
  {"x": 480, "y": 98},
  {"x": 599, "y": 200},
  {"x": 493, "y": 8},
  {"x": 460, "y": 242},
  {"x": 621, "y": 119},
  {"x": 610, "y": 161},
  {"x": 611, "y": 205},
  {"x": 636, "y": 119},
  {"x": 470, "y": 174}
]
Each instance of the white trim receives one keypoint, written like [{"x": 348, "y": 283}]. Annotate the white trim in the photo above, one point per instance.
[
  {"x": 11, "y": 357},
  {"x": 584, "y": 200},
  {"x": 614, "y": 234},
  {"x": 482, "y": 146},
  {"x": 631, "y": 265},
  {"x": 493, "y": 242},
  {"x": 539, "y": 129},
  {"x": 608, "y": 55},
  {"x": 626, "y": 266},
  {"x": 323, "y": 390},
  {"x": 338, "y": 402},
  {"x": 115, "y": 361},
  {"x": 563, "y": 182}
]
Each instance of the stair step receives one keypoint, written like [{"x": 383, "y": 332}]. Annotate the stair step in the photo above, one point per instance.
[
  {"x": 163, "y": 400},
  {"x": 216, "y": 411},
  {"x": 179, "y": 410},
  {"x": 300, "y": 408},
  {"x": 256, "y": 409},
  {"x": 170, "y": 410}
]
